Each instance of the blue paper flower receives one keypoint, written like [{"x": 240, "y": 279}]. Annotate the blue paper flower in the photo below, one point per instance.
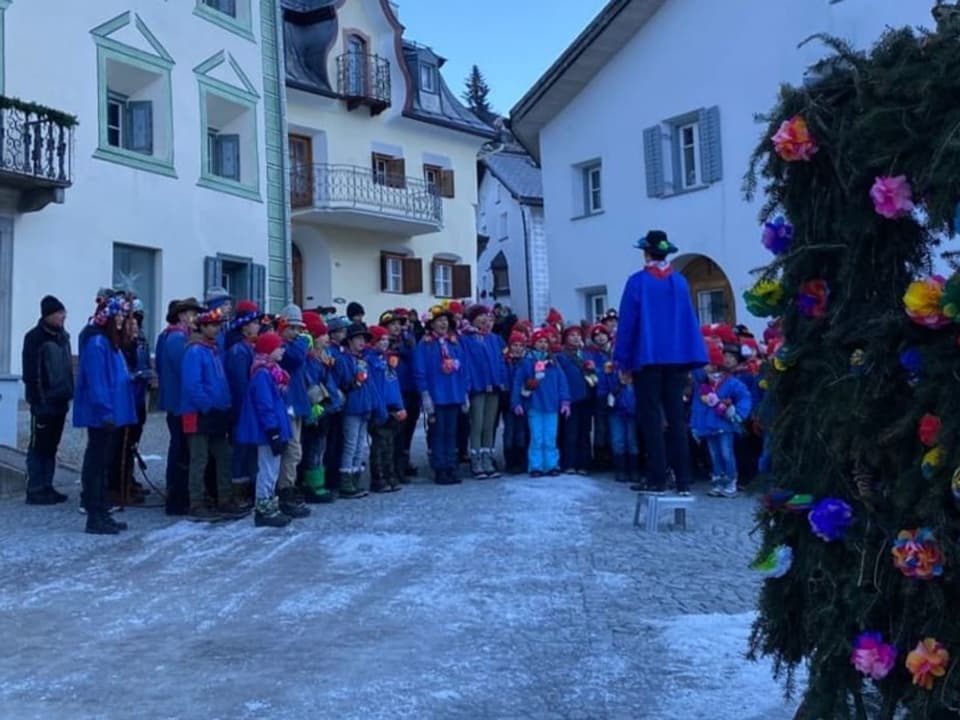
[
  {"x": 830, "y": 518},
  {"x": 778, "y": 235},
  {"x": 912, "y": 361}
]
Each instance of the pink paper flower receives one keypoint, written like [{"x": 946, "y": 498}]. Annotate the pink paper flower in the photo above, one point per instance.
[
  {"x": 793, "y": 140},
  {"x": 892, "y": 196},
  {"x": 872, "y": 656}
]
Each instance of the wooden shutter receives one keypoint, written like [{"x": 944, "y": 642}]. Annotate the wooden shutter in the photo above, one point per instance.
[
  {"x": 212, "y": 273},
  {"x": 653, "y": 161},
  {"x": 229, "y": 156},
  {"x": 396, "y": 173},
  {"x": 412, "y": 276},
  {"x": 383, "y": 273},
  {"x": 462, "y": 283},
  {"x": 139, "y": 126},
  {"x": 711, "y": 157},
  {"x": 446, "y": 183},
  {"x": 258, "y": 291}
]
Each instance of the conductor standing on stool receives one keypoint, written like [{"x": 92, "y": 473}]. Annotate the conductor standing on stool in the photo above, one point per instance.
[{"x": 659, "y": 342}]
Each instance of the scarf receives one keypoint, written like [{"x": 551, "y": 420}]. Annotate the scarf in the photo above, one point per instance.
[
  {"x": 280, "y": 376},
  {"x": 660, "y": 269},
  {"x": 448, "y": 364}
]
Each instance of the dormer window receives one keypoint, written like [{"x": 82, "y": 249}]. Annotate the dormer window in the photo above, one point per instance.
[{"x": 428, "y": 78}]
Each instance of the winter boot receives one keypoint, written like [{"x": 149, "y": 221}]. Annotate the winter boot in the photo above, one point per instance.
[
  {"x": 242, "y": 494},
  {"x": 716, "y": 486},
  {"x": 314, "y": 487},
  {"x": 638, "y": 483},
  {"x": 729, "y": 489},
  {"x": 620, "y": 468},
  {"x": 101, "y": 524},
  {"x": 203, "y": 512},
  {"x": 291, "y": 504},
  {"x": 268, "y": 514},
  {"x": 487, "y": 464},
  {"x": 476, "y": 465},
  {"x": 349, "y": 485}
]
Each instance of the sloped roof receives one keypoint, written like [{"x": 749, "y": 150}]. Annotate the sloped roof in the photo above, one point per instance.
[{"x": 518, "y": 173}]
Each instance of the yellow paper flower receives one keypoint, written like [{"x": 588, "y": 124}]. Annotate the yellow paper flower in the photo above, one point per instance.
[
  {"x": 922, "y": 301},
  {"x": 932, "y": 460},
  {"x": 927, "y": 661},
  {"x": 765, "y": 299}
]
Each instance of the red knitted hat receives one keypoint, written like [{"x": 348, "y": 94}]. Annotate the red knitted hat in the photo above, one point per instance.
[
  {"x": 268, "y": 342},
  {"x": 599, "y": 328},
  {"x": 715, "y": 354},
  {"x": 517, "y": 338},
  {"x": 456, "y": 307},
  {"x": 541, "y": 334},
  {"x": 377, "y": 333},
  {"x": 554, "y": 317},
  {"x": 572, "y": 329},
  {"x": 314, "y": 323}
]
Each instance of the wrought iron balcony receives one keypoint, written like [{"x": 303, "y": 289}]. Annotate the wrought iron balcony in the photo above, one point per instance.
[
  {"x": 364, "y": 79},
  {"x": 36, "y": 151},
  {"x": 351, "y": 196}
]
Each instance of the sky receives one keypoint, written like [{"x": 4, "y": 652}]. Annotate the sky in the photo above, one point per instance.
[{"x": 512, "y": 41}]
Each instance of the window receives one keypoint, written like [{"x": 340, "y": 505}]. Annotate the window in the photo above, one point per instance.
[
  {"x": 592, "y": 199},
  {"x": 499, "y": 192},
  {"x": 501, "y": 275},
  {"x": 356, "y": 66},
  {"x": 596, "y": 305},
  {"x": 504, "y": 229},
  {"x": 400, "y": 274},
  {"x": 135, "y": 101},
  {"x": 240, "y": 276},
  {"x": 712, "y": 306},
  {"x": 439, "y": 181},
  {"x": 428, "y": 78},
  {"x": 134, "y": 270},
  {"x": 228, "y": 116},
  {"x": 683, "y": 153},
  {"x": 389, "y": 171},
  {"x": 233, "y": 15},
  {"x": 451, "y": 280}
]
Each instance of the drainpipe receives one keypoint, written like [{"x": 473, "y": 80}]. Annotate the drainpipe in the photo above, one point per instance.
[
  {"x": 284, "y": 159},
  {"x": 526, "y": 254}
]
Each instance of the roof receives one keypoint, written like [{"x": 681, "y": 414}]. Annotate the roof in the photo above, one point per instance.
[
  {"x": 615, "y": 25},
  {"x": 518, "y": 173}
]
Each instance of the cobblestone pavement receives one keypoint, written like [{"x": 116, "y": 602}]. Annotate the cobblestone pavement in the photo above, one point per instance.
[{"x": 510, "y": 598}]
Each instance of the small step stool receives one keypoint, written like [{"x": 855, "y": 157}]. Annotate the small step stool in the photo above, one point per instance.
[{"x": 655, "y": 507}]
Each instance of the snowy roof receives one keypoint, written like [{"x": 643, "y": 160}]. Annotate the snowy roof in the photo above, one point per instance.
[{"x": 519, "y": 174}]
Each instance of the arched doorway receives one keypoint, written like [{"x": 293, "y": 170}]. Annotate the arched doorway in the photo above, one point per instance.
[
  {"x": 296, "y": 262},
  {"x": 710, "y": 289}
]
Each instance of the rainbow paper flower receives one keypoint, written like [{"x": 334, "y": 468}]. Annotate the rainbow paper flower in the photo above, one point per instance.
[
  {"x": 929, "y": 429},
  {"x": 892, "y": 196},
  {"x": 793, "y": 140},
  {"x": 765, "y": 298},
  {"x": 927, "y": 661},
  {"x": 858, "y": 362},
  {"x": 777, "y": 235},
  {"x": 608, "y": 367},
  {"x": 812, "y": 300},
  {"x": 783, "y": 358},
  {"x": 799, "y": 503},
  {"x": 450, "y": 366},
  {"x": 923, "y": 299},
  {"x": 917, "y": 555},
  {"x": 776, "y": 499},
  {"x": 872, "y": 656},
  {"x": 830, "y": 518},
  {"x": 932, "y": 460},
  {"x": 776, "y": 564}
]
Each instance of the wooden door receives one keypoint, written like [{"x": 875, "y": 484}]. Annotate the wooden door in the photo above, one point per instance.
[
  {"x": 301, "y": 171},
  {"x": 297, "y": 271}
]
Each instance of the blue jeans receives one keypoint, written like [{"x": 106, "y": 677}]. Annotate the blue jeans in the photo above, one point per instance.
[
  {"x": 443, "y": 438},
  {"x": 722, "y": 457},
  {"x": 354, "y": 434},
  {"x": 543, "y": 455},
  {"x": 623, "y": 435}
]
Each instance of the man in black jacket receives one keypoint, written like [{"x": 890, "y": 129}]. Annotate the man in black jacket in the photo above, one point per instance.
[{"x": 48, "y": 375}]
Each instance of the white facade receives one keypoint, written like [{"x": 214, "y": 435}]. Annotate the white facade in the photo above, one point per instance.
[
  {"x": 151, "y": 200},
  {"x": 500, "y": 219},
  {"x": 370, "y": 226},
  {"x": 689, "y": 56}
]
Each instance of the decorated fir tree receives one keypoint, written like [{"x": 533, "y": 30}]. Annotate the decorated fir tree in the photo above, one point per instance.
[{"x": 861, "y": 170}]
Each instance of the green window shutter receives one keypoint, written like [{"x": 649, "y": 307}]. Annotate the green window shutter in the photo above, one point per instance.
[
  {"x": 653, "y": 161},
  {"x": 139, "y": 135},
  {"x": 259, "y": 292},
  {"x": 711, "y": 157},
  {"x": 229, "y": 156},
  {"x": 212, "y": 273}
]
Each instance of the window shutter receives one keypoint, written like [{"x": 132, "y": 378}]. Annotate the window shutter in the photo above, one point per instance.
[
  {"x": 212, "y": 273},
  {"x": 433, "y": 278},
  {"x": 446, "y": 183},
  {"x": 259, "y": 290},
  {"x": 711, "y": 157},
  {"x": 396, "y": 173},
  {"x": 140, "y": 126},
  {"x": 383, "y": 272},
  {"x": 229, "y": 152},
  {"x": 653, "y": 161},
  {"x": 462, "y": 284},
  {"x": 412, "y": 276}
]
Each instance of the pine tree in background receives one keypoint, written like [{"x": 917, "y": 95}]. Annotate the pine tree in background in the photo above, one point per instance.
[
  {"x": 861, "y": 528},
  {"x": 475, "y": 94}
]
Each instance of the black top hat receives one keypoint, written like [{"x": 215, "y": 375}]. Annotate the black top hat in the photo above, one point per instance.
[
  {"x": 656, "y": 243},
  {"x": 188, "y": 304},
  {"x": 357, "y": 329}
]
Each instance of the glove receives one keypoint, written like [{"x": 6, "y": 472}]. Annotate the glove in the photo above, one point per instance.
[
  {"x": 309, "y": 338},
  {"x": 466, "y": 405},
  {"x": 277, "y": 446},
  {"x": 731, "y": 415},
  {"x": 565, "y": 409},
  {"x": 400, "y": 415},
  {"x": 518, "y": 411},
  {"x": 316, "y": 412},
  {"x": 426, "y": 402}
]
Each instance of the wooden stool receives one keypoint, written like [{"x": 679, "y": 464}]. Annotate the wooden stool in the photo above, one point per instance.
[{"x": 655, "y": 507}]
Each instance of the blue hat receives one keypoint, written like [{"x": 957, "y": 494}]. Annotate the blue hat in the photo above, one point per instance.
[
  {"x": 337, "y": 323},
  {"x": 656, "y": 242}
]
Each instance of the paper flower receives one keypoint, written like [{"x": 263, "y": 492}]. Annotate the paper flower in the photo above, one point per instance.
[
  {"x": 799, "y": 503},
  {"x": 917, "y": 555},
  {"x": 793, "y": 140},
  {"x": 932, "y": 460},
  {"x": 911, "y": 360},
  {"x": 361, "y": 377},
  {"x": 450, "y": 366},
  {"x": 608, "y": 367},
  {"x": 858, "y": 362},
  {"x": 812, "y": 299},
  {"x": 872, "y": 656},
  {"x": 955, "y": 485},
  {"x": 923, "y": 302},
  {"x": 892, "y": 196},
  {"x": 783, "y": 358},
  {"x": 950, "y": 299},
  {"x": 777, "y": 563},
  {"x": 777, "y": 235},
  {"x": 393, "y": 361},
  {"x": 765, "y": 298},
  {"x": 830, "y": 518},
  {"x": 927, "y": 661},
  {"x": 776, "y": 499},
  {"x": 929, "y": 429}
]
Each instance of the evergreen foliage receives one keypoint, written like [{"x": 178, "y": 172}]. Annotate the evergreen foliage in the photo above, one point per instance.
[
  {"x": 476, "y": 93},
  {"x": 852, "y": 432}
]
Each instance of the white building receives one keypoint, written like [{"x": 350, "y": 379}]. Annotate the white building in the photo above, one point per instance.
[
  {"x": 171, "y": 181},
  {"x": 512, "y": 265},
  {"x": 647, "y": 121},
  {"x": 383, "y": 162}
]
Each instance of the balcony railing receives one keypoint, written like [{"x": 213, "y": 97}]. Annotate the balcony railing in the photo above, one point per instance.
[
  {"x": 364, "y": 79},
  {"x": 36, "y": 144},
  {"x": 340, "y": 187}
]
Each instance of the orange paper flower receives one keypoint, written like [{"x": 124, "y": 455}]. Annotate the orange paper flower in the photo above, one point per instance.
[
  {"x": 793, "y": 140},
  {"x": 927, "y": 661}
]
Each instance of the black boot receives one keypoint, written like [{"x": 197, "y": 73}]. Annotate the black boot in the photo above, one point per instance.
[
  {"x": 621, "y": 474},
  {"x": 634, "y": 475},
  {"x": 100, "y": 523},
  {"x": 291, "y": 504}
]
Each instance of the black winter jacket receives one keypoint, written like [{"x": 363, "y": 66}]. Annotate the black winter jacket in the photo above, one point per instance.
[{"x": 47, "y": 369}]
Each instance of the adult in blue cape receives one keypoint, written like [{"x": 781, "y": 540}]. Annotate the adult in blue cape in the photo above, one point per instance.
[{"x": 659, "y": 342}]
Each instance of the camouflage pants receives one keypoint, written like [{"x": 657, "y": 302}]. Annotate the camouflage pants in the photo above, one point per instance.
[{"x": 382, "y": 457}]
